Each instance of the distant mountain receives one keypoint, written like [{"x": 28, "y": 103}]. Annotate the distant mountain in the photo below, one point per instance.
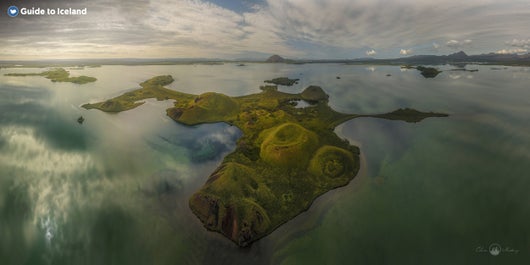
[
  {"x": 458, "y": 59},
  {"x": 364, "y": 59},
  {"x": 457, "y": 56},
  {"x": 276, "y": 59}
]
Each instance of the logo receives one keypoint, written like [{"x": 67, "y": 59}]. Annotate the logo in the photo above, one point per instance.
[
  {"x": 495, "y": 249},
  {"x": 12, "y": 11}
]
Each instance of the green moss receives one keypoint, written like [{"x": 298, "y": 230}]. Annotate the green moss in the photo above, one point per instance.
[
  {"x": 331, "y": 162},
  {"x": 162, "y": 80},
  {"x": 284, "y": 81},
  {"x": 428, "y": 72},
  {"x": 285, "y": 158},
  {"x": 288, "y": 145},
  {"x": 209, "y": 107},
  {"x": 314, "y": 93},
  {"x": 408, "y": 115},
  {"x": 152, "y": 88}
]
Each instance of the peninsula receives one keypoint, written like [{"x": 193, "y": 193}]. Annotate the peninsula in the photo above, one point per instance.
[
  {"x": 285, "y": 158},
  {"x": 59, "y": 75}
]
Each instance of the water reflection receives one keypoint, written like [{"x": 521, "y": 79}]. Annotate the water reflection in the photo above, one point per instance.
[{"x": 115, "y": 189}]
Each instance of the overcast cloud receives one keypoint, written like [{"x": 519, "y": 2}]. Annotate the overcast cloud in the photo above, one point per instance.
[{"x": 291, "y": 28}]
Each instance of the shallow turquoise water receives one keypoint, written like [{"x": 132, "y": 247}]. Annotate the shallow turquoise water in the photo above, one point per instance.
[{"x": 114, "y": 190}]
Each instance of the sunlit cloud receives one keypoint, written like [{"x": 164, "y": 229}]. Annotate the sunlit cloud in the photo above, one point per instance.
[
  {"x": 455, "y": 44},
  {"x": 371, "y": 52},
  {"x": 512, "y": 51},
  {"x": 405, "y": 51},
  {"x": 519, "y": 43}
]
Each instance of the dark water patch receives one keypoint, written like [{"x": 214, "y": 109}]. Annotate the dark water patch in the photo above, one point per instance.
[
  {"x": 393, "y": 138},
  {"x": 15, "y": 217},
  {"x": 165, "y": 188},
  {"x": 10, "y": 94},
  {"x": 108, "y": 235},
  {"x": 114, "y": 239},
  {"x": 48, "y": 124}
]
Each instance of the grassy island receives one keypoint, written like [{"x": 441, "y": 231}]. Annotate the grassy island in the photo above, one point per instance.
[
  {"x": 59, "y": 75},
  {"x": 284, "y": 160},
  {"x": 284, "y": 81},
  {"x": 428, "y": 72}
]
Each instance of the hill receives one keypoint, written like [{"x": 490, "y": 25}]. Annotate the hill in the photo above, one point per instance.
[{"x": 276, "y": 59}]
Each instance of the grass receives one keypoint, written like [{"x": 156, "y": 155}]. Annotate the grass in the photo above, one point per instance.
[
  {"x": 314, "y": 93},
  {"x": 288, "y": 145},
  {"x": 284, "y": 81},
  {"x": 152, "y": 88},
  {"x": 284, "y": 160},
  {"x": 428, "y": 72},
  {"x": 332, "y": 163},
  {"x": 210, "y": 107},
  {"x": 59, "y": 75},
  {"x": 408, "y": 115}
]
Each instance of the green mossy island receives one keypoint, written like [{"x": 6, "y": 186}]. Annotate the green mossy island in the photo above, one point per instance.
[
  {"x": 428, "y": 72},
  {"x": 285, "y": 158},
  {"x": 59, "y": 75},
  {"x": 284, "y": 81}
]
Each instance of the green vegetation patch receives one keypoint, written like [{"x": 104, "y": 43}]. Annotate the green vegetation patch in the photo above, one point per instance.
[
  {"x": 210, "y": 107},
  {"x": 288, "y": 145},
  {"x": 284, "y": 81},
  {"x": 284, "y": 160},
  {"x": 59, "y": 75},
  {"x": 408, "y": 115},
  {"x": 314, "y": 93},
  {"x": 331, "y": 162},
  {"x": 152, "y": 88},
  {"x": 428, "y": 72}
]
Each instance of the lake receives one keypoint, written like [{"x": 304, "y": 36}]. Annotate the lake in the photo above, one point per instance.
[{"x": 115, "y": 189}]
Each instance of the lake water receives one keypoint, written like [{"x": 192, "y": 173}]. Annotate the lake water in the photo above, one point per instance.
[{"x": 115, "y": 189}]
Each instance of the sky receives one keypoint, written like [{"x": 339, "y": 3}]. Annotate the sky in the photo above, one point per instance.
[{"x": 297, "y": 29}]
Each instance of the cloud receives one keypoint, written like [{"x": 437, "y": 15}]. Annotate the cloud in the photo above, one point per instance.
[
  {"x": 405, "y": 51},
  {"x": 292, "y": 28},
  {"x": 371, "y": 52},
  {"x": 519, "y": 43},
  {"x": 455, "y": 44},
  {"x": 512, "y": 51},
  {"x": 435, "y": 45},
  {"x": 138, "y": 28}
]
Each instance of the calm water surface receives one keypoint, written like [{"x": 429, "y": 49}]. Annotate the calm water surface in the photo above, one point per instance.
[{"x": 115, "y": 189}]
